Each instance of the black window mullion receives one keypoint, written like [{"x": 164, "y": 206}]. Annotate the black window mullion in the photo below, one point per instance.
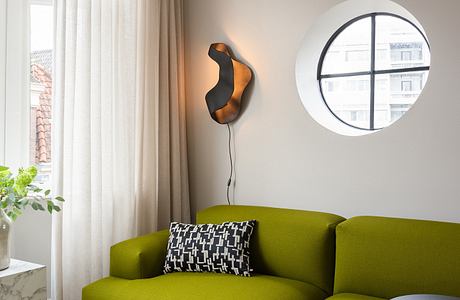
[
  {"x": 372, "y": 79},
  {"x": 345, "y": 74},
  {"x": 376, "y": 72},
  {"x": 403, "y": 70}
]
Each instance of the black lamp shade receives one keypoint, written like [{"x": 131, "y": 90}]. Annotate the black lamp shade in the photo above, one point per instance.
[{"x": 224, "y": 99}]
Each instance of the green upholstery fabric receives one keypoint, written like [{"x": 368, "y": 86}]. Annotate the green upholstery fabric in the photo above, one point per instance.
[
  {"x": 293, "y": 249},
  {"x": 348, "y": 296},
  {"x": 388, "y": 257},
  {"x": 141, "y": 257},
  {"x": 287, "y": 243},
  {"x": 199, "y": 286}
]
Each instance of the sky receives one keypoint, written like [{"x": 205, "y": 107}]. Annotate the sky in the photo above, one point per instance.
[{"x": 41, "y": 25}]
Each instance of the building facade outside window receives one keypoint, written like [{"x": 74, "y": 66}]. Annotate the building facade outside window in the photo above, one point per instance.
[
  {"x": 41, "y": 83},
  {"x": 379, "y": 66}
]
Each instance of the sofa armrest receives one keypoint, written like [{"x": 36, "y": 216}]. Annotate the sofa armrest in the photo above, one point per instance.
[{"x": 141, "y": 257}]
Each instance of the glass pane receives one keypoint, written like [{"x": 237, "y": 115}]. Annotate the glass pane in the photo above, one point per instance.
[
  {"x": 395, "y": 94},
  {"x": 350, "y": 51},
  {"x": 399, "y": 45},
  {"x": 349, "y": 99},
  {"x": 41, "y": 80}
]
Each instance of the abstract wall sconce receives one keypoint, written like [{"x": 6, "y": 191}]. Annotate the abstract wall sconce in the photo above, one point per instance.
[{"x": 224, "y": 99}]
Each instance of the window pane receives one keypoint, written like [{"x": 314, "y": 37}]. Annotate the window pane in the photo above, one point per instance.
[
  {"x": 350, "y": 51},
  {"x": 395, "y": 94},
  {"x": 349, "y": 99},
  {"x": 41, "y": 80},
  {"x": 399, "y": 44}
]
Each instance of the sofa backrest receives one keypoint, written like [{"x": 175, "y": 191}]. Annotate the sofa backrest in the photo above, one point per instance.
[
  {"x": 287, "y": 243},
  {"x": 388, "y": 257}
]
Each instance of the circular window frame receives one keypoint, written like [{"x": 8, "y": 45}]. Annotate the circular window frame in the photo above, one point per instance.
[
  {"x": 310, "y": 47},
  {"x": 372, "y": 72}
]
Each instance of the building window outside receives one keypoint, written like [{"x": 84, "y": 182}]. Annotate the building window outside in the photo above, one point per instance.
[
  {"x": 406, "y": 86},
  {"x": 406, "y": 55},
  {"x": 380, "y": 61},
  {"x": 398, "y": 110}
]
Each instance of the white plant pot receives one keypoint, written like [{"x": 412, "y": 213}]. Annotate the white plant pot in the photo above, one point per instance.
[{"x": 5, "y": 229}]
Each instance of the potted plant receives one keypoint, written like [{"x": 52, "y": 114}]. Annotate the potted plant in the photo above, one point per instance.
[{"x": 16, "y": 194}]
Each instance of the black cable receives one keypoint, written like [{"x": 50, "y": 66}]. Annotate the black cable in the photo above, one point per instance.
[{"x": 229, "y": 182}]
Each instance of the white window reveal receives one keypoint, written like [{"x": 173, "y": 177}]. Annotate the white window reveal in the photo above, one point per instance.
[{"x": 362, "y": 66}]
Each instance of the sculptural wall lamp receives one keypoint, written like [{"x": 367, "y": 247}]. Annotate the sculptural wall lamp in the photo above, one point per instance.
[{"x": 224, "y": 99}]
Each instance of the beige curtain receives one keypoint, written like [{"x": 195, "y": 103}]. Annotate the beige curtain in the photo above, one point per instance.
[
  {"x": 160, "y": 133},
  {"x": 119, "y": 155}
]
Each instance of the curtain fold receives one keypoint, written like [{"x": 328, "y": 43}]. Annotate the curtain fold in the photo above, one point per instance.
[
  {"x": 119, "y": 156},
  {"x": 161, "y": 156}
]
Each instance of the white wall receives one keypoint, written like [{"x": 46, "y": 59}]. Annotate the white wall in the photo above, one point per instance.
[
  {"x": 32, "y": 240},
  {"x": 284, "y": 158}
]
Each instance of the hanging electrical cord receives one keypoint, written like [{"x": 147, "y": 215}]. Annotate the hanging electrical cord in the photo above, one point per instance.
[{"x": 229, "y": 182}]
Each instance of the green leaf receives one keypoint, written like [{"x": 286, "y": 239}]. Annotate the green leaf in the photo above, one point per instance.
[
  {"x": 40, "y": 207},
  {"x": 50, "y": 206},
  {"x": 11, "y": 199},
  {"x": 57, "y": 208},
  {"x": 59, "y": 198},
  {"x": 12, "y": 215},
  {"x": 37, "y": 206},
  {"x": 47, "y": 192},
  {"x": 17, "y": 211},
  {"x": 32, "y": 171}
]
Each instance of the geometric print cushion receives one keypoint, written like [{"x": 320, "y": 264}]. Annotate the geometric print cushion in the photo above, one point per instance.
[{"x": 218, "y": 248}]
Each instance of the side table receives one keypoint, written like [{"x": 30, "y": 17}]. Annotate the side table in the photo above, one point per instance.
[{"x": 23, "y": 280}]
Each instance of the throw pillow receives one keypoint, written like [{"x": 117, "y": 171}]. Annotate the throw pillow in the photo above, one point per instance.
[{"x": 218, "y": 248}]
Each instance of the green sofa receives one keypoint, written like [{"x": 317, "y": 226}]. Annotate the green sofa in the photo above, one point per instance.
[
  {"x": 294, "y": 254},
  {"x": 381, "y": 257}
]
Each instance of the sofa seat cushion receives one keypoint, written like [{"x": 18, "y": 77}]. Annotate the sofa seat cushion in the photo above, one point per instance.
[
  {"x": 350, "y": 296},
  {"x": 202, "y": 286}
]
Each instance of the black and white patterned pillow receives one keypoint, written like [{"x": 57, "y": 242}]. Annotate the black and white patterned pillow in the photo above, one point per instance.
[{"x": 218, "y": 248}]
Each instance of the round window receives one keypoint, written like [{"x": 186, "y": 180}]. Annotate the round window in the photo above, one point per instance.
[{"x": 373, "y": 69}]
